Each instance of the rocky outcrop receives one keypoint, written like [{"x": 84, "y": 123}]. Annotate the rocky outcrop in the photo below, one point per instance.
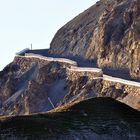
[
  {"x": 78, "y": 102},
  {"x": 34, "y": 83},
  {"x": 107, "y": 33},
  {"x": 124, "y": 91}
]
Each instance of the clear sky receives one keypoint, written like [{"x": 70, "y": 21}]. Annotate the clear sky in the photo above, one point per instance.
[{"x": 23, "y": 22}]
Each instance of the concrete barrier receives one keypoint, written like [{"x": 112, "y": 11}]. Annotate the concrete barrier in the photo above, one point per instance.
[
  {"x": 93, "y": 73},
  {"x": 122, "y": 81},
  {"x": 74, "y": 68},
  {"x": 64, "y": 60}
]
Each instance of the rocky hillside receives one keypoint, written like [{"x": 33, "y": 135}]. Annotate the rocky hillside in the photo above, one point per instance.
[
  {"x": 98, "y": 118},
  {"x": 43, "y": 95},
  {"x": 33, "y": 83},
  {"x": 107, "y": 33}
]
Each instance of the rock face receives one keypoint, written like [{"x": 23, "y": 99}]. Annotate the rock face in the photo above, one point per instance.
[
  {"x": 107, "y": 33},
  {"x": 78, "y": 102},
  {"x": 32, "y": 84}
]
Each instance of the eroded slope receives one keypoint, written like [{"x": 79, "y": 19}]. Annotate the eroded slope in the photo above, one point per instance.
[
  {"x": 38, "y": 84},
  {"x": 107, "y": 33}
]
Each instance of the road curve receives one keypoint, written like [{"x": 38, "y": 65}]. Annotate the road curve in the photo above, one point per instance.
[{"x": 75, "y": 67}]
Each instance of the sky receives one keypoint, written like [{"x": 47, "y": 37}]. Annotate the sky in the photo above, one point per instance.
[{"x": 23, "y": 22}]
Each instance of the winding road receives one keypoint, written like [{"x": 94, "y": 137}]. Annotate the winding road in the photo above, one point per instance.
[{"x": 74, "y": 67}]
